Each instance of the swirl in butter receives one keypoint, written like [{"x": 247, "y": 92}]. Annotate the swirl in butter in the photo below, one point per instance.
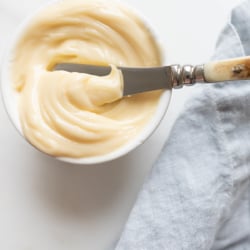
[{"x": 79, "y": 115}]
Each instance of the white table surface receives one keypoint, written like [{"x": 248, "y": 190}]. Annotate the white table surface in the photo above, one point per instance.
[{"x": 45, "y": 204}]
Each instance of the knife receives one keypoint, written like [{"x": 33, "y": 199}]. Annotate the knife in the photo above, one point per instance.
[{"x": 142, "y": 79}]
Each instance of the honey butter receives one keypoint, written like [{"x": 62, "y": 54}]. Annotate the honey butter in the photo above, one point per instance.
[{"x": 74, "y": 114}]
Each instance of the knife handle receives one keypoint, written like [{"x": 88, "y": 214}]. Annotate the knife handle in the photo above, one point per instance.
[
  {"x": 227, "y": 70},
  {"x": 216, "y": 71}
]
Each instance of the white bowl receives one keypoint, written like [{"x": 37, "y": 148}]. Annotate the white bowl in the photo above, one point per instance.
[{"x": 10, "y": 99}]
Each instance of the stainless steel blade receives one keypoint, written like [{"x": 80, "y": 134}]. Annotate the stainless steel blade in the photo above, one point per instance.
[{"x": 136, "y": 80}]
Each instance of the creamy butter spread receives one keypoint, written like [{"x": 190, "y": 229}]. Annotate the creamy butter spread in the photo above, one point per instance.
[{"x": 80, "y": 115}]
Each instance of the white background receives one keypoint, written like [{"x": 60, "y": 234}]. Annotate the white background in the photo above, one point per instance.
[{"x": 45, "y": 204}]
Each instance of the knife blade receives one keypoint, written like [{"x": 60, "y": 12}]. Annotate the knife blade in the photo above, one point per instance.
[{"x": 135, "y": 80}]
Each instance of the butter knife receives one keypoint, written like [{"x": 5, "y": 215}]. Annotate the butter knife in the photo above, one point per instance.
[{"x": 144, "y": 79}]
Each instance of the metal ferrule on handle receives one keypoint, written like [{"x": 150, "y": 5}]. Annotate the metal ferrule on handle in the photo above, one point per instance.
[{"x": 187, "y": 75}]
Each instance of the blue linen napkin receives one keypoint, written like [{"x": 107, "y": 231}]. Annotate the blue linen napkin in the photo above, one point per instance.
[{"x": 197, "y": 196}]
